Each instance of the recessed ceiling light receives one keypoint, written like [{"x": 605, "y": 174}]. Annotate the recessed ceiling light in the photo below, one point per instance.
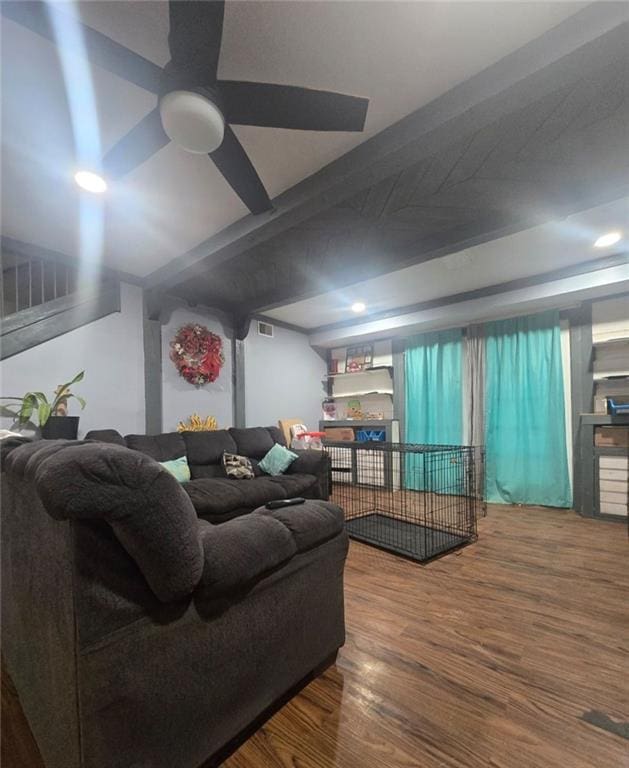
[
  {"x": 604, "y": 241},
  {"x": 358, "y": 306},
  {"x": 91, "y": 182}
]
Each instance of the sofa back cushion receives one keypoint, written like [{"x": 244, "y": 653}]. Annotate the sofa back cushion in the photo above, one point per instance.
[
  {"x": 159, "y": 447},
  {"x": 205, "y": 448},
  {"x": 278, "y": 436},
  {"x": 256, "y": 442},
  {"x": 198, "y": 471},
  {"x": 205, "y": 452},
  {"x": 106, "y": 436}
]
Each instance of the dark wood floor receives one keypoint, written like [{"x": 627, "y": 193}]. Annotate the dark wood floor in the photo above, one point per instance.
[{"x": 485, "y": 658}]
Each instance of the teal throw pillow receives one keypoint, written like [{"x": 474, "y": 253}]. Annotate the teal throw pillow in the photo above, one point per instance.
[
  {"x": 277, "y": 460},
  {"x": 178, "y": 468}
]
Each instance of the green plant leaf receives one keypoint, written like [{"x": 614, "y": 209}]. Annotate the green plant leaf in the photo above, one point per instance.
[
  {"x": 41, "y": 397},
  {"x": 78, "y": 377},
  {"x": 28, "y": 405},
  {"x": 8, "y": 413},
  {"x": 43, "y": 413},
  {"x": 64, "y": 392}
]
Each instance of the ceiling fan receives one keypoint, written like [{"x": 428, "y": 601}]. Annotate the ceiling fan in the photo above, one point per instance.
[{"x": 195, "y": 109}]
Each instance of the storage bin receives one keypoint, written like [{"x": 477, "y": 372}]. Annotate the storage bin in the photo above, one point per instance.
[
  {"x": 611, "y": 437},
  {"x": 339, "y": 433},
  {"x": 370, "y": 435},
  {"x": 616, "y": 408}
]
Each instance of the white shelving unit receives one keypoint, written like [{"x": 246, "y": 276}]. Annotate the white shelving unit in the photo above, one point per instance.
[
  {"x": 610, "y": 346},
  {"x": 373, "y": 381},
  {"x": 372, "y": 386},
  {"x": 610, "y": 372}
]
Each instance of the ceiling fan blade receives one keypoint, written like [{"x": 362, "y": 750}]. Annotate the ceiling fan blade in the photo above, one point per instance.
[
  {"x": 196, "y": 31},
  {"x": 232, "y": 161},
  {"x": 100, "y": 49},
  {"x": 142, "y": 141},
  {"x": 289, "y": 106}
]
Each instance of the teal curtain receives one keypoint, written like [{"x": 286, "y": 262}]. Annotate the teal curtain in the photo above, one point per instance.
[
  {"x": 433, "y": 407},
  {"x": 525, "y": 431}
]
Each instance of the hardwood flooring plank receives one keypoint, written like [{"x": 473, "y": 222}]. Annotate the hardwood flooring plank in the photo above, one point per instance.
[{"x": 489, "y": 657}]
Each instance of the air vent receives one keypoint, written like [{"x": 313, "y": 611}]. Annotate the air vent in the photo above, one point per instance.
[{"x": 265, "y": 329}]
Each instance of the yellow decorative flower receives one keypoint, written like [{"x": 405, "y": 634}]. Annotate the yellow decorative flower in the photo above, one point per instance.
[{"x": 196, "y": 424}]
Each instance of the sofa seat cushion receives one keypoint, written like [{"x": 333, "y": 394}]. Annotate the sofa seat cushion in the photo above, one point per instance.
[
  {"x": 241, "y": 551},
  {"x": 310, "y": 524},
  {"x": 293, "y": 485},
  {"x": 220, "y": 495}
]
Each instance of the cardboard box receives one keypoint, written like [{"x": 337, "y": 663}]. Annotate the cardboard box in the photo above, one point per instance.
[
  {"x": 611, "y": 437},
  {"x": 339, "y": 434}
]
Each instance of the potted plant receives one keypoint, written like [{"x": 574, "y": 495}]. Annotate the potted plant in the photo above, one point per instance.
[{"x": 52, "y": 415}]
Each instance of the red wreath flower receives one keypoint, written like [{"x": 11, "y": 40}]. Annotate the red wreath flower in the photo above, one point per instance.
[{"x": 197, "y": 354}]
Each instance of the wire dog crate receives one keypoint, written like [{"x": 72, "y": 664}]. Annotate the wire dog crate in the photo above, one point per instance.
[{"x": 418, "y": 501}]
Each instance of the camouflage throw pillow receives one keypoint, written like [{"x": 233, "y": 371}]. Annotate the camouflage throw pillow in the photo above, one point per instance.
[{"x": 237, "y": 467}]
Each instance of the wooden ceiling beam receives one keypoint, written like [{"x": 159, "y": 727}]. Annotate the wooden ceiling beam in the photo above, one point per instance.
[{"x": 587, "y": 41}]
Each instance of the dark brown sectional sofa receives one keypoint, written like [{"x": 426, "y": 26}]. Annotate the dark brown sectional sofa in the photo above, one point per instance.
[
  {"x": 138, "y": 633},
  {"x": 215, "y": 497}
]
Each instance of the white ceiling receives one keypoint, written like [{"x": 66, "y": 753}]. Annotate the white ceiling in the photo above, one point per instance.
[
  {"x": 531, "y": 252},
  {"x": 400, "y": 55}
]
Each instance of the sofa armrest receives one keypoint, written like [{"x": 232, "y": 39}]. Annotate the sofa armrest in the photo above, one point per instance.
[
  {"x": 317, "y": 463},
  {"x": 148, "y": 511},
  {"x": 309, "y": 462}
]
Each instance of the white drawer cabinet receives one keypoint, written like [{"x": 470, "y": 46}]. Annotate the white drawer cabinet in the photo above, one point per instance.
[{"x": 613, "y": 472}]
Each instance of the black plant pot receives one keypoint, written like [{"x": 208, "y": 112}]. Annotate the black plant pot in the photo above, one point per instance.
[{"x": 60, "y": 427}]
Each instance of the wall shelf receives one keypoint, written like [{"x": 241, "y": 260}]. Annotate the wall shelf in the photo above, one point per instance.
[
  {"x": 611, "y": 342},
  {"x": 605, "y": 419},
  {"x": 359, "y": 373},
  {"x": 610, "y": 450},
  {"x": 362, "y": 393},
  {"x": 611, "y": 376},
  {"x": 357, "y": 423}
]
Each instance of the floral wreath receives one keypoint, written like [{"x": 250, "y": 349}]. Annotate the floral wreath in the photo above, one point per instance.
[{"x": 197, "y": 354}]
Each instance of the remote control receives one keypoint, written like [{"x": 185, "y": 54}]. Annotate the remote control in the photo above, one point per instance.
[{"x": 285, "y": 503}]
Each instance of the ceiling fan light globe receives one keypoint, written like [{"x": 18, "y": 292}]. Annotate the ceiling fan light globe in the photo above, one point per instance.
[{"x": 192, "y": 121}]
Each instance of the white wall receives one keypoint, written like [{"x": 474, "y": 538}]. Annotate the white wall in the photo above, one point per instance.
[
  {"x": 610, "y": 322},
  {"x": 111, "y": 353},
  {"x": 181, "y": 399},
  {"x": 610, "y": 319},
  {"x": 283, "y": 378}
]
